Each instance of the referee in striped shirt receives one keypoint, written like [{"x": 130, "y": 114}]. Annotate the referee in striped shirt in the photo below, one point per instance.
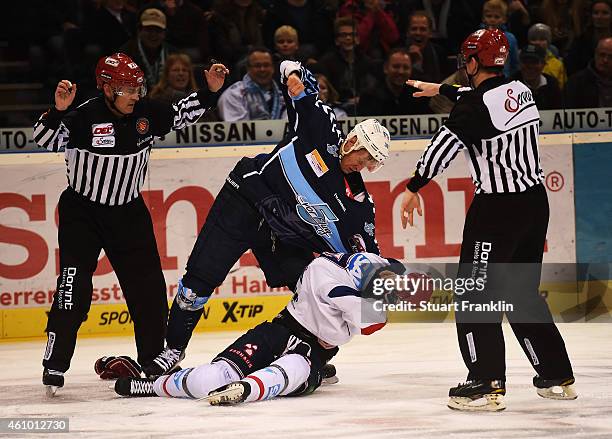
[
  {"x": 107, "y": 142},
  {"x": 496, "y": 125}
]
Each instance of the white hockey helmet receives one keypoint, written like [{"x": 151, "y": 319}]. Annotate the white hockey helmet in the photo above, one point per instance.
[{"x": 372, "y": 136}]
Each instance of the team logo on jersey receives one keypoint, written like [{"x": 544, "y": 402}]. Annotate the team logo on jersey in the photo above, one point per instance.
[
  {"x": 250, "y": 349},
  {"x": 103, "y": 135},
  {"x": 317, "y": 215},
  {"x": 103, "y": 129},
  {"x": 332, "y": 149},
  {"x": 369, "y": 228},
  {"x": 513, "y": 103},
  {"x": 317, "y": 163},
  {"x": 142, "y": 125},
  {"x": 360, "y": 268}
]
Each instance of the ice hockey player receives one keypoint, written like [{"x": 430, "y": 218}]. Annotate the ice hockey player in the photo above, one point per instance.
[
  {"x": 284, "y": 357},
  {"x": 306, "y": 196}
]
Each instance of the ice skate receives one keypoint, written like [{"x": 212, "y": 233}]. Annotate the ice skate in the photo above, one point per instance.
[
  {"x": 230, "y": 394},
  {"x": 328, "y": 374},
  {"x": 165, "y": 363},
  {"x": 555, "y": 389},
  {"x": 478, "y": 395},
  {"x": 135, "y": 387},
  {"x": 53, "y": 380}
]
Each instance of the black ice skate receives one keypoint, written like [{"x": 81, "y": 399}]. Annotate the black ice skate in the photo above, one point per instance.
[
  {"x": 53, "y": 380},
  {"x": 135, "y": 387},
  {"x": 165, "y": 363},
  {"x": 230, "y": 394},
  {"x": 328, "y": 374},
  {"x": 555, "y": 389},
  {"x": 478, "y": 395}
]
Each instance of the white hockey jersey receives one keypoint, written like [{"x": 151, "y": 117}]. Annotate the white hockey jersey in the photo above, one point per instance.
[{"x": 328, "y": 300}]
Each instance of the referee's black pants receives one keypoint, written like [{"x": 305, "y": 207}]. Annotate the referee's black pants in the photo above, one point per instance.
[
  {"x": 232, "y": 227},
  {"x": 503, "y": 243},
  {"x": 126, "y": 234}
]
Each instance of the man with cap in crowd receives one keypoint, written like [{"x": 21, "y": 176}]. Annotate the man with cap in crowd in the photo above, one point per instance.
[
  {"x": 544, "y": 87},
  {"x": 540, "y": 35},
  {"x": 149, "y": 48}
]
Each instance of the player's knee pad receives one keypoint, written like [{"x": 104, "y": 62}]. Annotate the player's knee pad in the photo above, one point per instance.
[
  {"x": 296, "y": 370},
  {"x": 188, "y": 300},
  {"x": 208, "y": 377}
]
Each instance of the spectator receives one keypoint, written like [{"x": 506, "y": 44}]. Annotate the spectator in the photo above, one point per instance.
[
  {"x": 429, "y": 60},
  {"x": 235, "y": 27},
  {"x": 149, "y": 48},
  {"x": 582, "y": 48},
  {"x": 187, "y": 28},
  {"x": 177, "y": 80},
  {"x": 540, "y": 35},
  {"x": 345, "y": 66},
  {"x": 564, "y": 23},
  {"x": 394, "y": 97},
  {"x": 518, "y": 20},
  {"x": 494, "y": 16},
  {"x": 592, "y": 86},
  {"x": 328, "y": 95},
  {"x": 312, "y": 19},
  {"x": 109, "y": 27},
  {"x": 257, "y": 96},
  {"x": 376, "y": 29},
  {"x": 544, "y": 88},
  {"x": 286, "y": 44}
]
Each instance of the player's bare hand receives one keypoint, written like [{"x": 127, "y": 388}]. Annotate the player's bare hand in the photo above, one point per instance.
[
  {"x": 64, "y": 94},
  {"x": 410, "y": 201},
  {"x": 294, "y": 85},
  {"x": 215, "y": 76},
  {"x": 427, "y": 89}
]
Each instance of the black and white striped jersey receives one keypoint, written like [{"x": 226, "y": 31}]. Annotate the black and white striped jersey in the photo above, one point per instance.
[
  {"x": 107, "y": 156},
  {"x": 497, "y": 126}
]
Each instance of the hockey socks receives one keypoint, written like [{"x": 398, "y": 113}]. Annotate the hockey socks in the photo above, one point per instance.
[
  {"x": 195, "y": 382},
  {"x": 281, "y": 377}
]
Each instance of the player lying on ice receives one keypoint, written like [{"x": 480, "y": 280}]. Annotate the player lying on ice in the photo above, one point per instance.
[{"x": 285, "y": 357}]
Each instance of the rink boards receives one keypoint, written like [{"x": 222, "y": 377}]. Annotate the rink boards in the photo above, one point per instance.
[{"x": 180, "y": 188}]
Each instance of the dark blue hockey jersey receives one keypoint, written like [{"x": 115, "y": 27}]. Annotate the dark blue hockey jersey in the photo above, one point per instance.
[{"x": 299, "y": 187}]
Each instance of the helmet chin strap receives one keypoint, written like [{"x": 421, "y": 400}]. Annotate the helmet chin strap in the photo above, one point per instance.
[{"x": 472, "y": 76}]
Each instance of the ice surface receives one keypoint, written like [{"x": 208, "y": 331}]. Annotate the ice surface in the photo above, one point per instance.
[{"x": 392, "y": 384}]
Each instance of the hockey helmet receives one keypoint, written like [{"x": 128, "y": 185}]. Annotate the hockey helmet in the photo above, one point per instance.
[
  {"x": 489, "y": 46},
  {"x": 372, "y": 136},
  {"x": 121, "y": 73}
]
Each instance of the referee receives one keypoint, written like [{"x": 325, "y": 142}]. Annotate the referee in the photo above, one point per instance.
[
  {"x": 495, "y": 123},
  {"x": 107, "y": 142}
]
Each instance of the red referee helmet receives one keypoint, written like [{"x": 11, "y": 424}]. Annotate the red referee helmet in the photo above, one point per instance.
[
  {"x": 121, "y": 73},
  {"x": 489, "y": 46}
]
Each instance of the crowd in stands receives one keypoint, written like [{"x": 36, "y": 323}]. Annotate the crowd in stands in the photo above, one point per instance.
[{"x": 362, "y": 51}]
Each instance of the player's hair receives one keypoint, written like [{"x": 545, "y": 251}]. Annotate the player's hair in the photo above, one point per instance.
[
  {"x": 499, "y": 6},
  {"x": 420, "y": 13},
  {"x": 286, "y": 31}
]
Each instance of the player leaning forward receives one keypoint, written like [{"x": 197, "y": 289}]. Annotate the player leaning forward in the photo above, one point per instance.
[
  {"x": 333, "y": 301},
  {"x": 107, "y": 142},
  {"x": 496, "y": 124},
  {"x": 306, "y": 196}
]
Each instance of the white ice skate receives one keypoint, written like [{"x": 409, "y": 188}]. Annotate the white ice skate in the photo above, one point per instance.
[
  {"x": 230, "y": 394},
  {"x": 555, "y": 389}
]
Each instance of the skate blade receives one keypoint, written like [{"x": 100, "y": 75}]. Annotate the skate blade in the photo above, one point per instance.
[
  {"x": 50, "y": 391},
  {"x": 330, "y": 380},
  {"x": 232, "y": 394},
  {"x": 490, "y": 402},
  {"x": 558, "y": 392}
]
